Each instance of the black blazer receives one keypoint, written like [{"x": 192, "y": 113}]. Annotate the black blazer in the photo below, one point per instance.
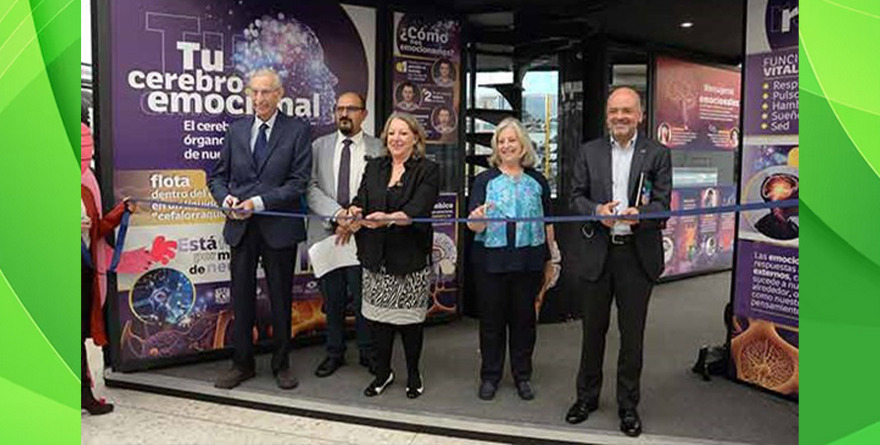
[
  {"x": 591, "y": 186},
  {"x": 281, "y": 181},
  {"x": 401, "y": 249}
]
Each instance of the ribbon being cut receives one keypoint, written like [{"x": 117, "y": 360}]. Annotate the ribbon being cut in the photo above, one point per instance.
[
  {"x": 747, "y": 207},
  {"x": 120, "y": 239}
]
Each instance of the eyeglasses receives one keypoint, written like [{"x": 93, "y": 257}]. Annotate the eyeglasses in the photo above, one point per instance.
[
  {"x": 348, "y": 109},
  {"x": 266, "y": 92}
]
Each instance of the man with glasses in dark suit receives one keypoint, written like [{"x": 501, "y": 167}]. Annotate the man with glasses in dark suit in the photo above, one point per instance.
[{"x": 264, "y": 164}]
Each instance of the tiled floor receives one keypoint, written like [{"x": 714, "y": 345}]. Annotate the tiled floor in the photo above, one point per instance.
[{"x": 143, "y": 418}]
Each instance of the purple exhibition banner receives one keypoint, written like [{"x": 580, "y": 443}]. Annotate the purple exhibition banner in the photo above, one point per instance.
[
  {"x": 444, "y": 258},
  {"x": 427, "y": 73},
  {"x": 696, "y": 107},
  {"x": 771, "y": 66},
  {"x": 771, "y": 106},
  {"x": 180, "y": 70},
  {"x": 770, "y": 288},
  {"x": 770, "y": 173},
  {"x": 764, "y": 329},
  {"x": 700, "y": 242},
  {"x": 177, "y": 80}
]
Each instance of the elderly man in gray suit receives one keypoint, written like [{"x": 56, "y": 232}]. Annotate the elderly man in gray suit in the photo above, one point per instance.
[{"x": 338, "y": 164}]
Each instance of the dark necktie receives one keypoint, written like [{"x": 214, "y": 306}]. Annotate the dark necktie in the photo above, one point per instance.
[
  {"x": 343, "y": 194},
  {"x": 261, "y": 149}
]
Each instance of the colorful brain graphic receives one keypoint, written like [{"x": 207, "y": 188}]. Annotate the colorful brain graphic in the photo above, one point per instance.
[{"x": 293, "y": 50}]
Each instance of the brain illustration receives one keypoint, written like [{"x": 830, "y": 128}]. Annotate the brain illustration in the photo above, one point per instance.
[
  {"x": 444, "y": 255},
  {"x": 293, "y": 50}
]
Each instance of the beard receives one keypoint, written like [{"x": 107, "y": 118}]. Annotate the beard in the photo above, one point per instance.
[{"x": 345, "y": 126}]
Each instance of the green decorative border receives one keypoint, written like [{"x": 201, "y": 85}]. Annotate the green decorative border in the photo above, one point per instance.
[
  {"x": 39, "y": 304},
  {"x": 840, "y": 250}
]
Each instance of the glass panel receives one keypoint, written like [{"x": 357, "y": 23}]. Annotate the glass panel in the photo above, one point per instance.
[{"x": 541, "y": 119}]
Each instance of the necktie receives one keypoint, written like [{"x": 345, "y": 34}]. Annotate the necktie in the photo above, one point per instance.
[
  {"x": 343, "y": 194},
  {"x": 261, "y": 149}
]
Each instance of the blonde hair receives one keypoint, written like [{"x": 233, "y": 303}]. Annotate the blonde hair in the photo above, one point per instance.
[
  {"x": 529, "y": 158},
  {"x": 420, "y": 148}
]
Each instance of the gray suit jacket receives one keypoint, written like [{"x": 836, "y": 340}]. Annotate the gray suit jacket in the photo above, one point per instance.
[
  {"x": 591, "y": 186},
  {"x": 321, "y": 193}
]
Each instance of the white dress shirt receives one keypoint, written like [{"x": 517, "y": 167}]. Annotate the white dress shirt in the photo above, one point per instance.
[
  {"x": 621, "y": 162},
  {"x": 255, "y": 131}
]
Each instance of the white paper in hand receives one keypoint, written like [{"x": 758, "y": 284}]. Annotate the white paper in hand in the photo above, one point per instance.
[{"x": 326, "y": 256}]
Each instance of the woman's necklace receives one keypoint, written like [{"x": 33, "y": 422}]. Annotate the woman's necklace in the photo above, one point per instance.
[{"x": 397, "y": 171}]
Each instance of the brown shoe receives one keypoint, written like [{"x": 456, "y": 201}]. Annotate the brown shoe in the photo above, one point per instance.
[
  {"x": 233, "y": 377},
  {"x": 286, "y": 379}
]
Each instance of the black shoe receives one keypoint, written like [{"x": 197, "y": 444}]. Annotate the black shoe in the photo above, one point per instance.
[
  {"x": 233, "y": 377},
  {"x": 377, "y": 386},
  {"x": 414, "y": 386},
  {"x": 579, "y": 412},
  {"x": 286, "y": 379},
  {"x": 95, "y": 407},
  {"x": 487, "y": 390},
  {"x": 630, "y": 423},
  {"x": 368, "y": 362},
  {"x": 524, "y": 389},
  {"x": 329, "y": 366}
]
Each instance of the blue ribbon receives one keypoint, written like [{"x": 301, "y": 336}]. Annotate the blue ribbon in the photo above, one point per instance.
[
  {"x": 86, "y": 255},
  {"x": 120, "y": 240},
  {"x": 117, "y": 249},
  {"x": 548, "y": 219}
]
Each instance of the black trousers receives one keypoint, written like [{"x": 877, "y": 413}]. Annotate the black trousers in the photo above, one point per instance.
[
  {"x": 413, "y": 338},
  {"x": 339, "y": 287},
  {"x": 624, "y": 281},
  {"x": 278, "y": 265},
  {"x": 507, "y": 303},
  {"x": 85, "y": 329}
]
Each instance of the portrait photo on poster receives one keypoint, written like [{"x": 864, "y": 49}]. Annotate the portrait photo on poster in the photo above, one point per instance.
[
  {"x": 443, "y": 120},
  {"x": 408, "y": 96},
  {"x": 444, "y": 73}
]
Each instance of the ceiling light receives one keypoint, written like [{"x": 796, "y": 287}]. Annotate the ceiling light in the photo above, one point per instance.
[{"x": 687, "y": 24}]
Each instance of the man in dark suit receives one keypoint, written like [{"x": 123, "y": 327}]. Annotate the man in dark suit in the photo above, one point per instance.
[
  {"x": 264, "y": 164},
  {"x": 624, "y": 174}
]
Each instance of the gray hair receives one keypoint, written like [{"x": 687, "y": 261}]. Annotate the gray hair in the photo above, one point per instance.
[
  {"x": 420, "y": 149},
  {"x": 529, "y": 158},
  {"x": 266, "y": 71}
]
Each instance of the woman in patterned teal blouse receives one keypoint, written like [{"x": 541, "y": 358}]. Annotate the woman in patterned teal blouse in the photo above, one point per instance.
[{"x": 509, "y": 257}]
